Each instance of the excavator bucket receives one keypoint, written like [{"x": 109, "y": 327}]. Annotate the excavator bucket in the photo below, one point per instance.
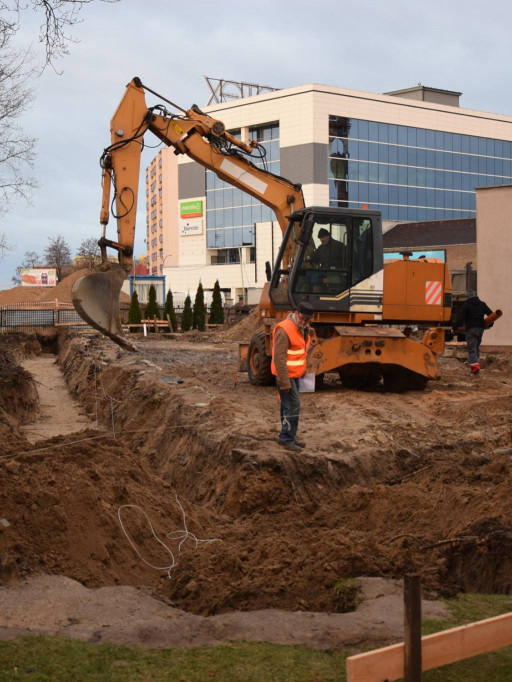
[{"x": 96, "y": 299}]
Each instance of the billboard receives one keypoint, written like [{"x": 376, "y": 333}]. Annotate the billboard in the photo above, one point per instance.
[
  {"x": 191, "y": 209},
  {"x": 38, "y": 277}
]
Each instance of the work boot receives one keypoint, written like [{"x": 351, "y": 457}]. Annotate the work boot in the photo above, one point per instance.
[
  {"x": 289, "y": 446},
  {"x": 300, "y": 443}
]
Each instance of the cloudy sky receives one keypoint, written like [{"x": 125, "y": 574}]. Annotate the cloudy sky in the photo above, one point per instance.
[{"x": 369, "y": 45}]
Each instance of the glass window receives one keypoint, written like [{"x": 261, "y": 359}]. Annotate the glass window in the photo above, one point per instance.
[
  {"x": 393, "y": 174},
  {"x": 457, "y": 162},
  {"x": 473, "y": 164},
  {"x": 448, "y": 180},
  {"x": 498, "y": 166},
  {"x": 383, "y": 194},
  {"x": 402, "y": 175},
  {"x": 457, "y": 181},
  {"x": 421, "y": 197},
  {"x": 383, "y": 173},
  {"x": 363, "y": 130},
  {"x": 411, "y": 196},
  {"x": 431, "y": 159},
  {"x": 402, "y": 196},
  {"x": 373, "y": 152},
  {"x": 373, "y": 131},
  {"x": 411, "y": 157},
  {"x": 209, "y": 180},
  {"x": 383, "y": 132},
  {"x": 421, "y": 137},
  {"x": 362, "y": 250},
  {"x": 373, "y": 172},
  {"x": 393, "y": 194},
  {"x": 421, "y": 157},
  {"x": 363, "y": 171},
  {"x": 353, "y": 127},
  {"x": 393, "y": 154},
  {"x": 402, "y": 135},
  {"x": 363, "y": 151},
  {"x": 373, "y": 193},
  {"x": 431, "y": 139},
  {"x": 439, "y": 143},
  {"x": 421, "y": 177},
  {"x": 448, "y": 199},
  {"x": 448, "y": 141},
  {"x": 411, "y": 177},
  {"x": 393, "y": 134},
  {"x": 498, "y": 148},
  {"x": 489, "y": 147},
  {"x": 402, "y": 155},
  {"x": 411, "y": 137},
  {"x": 456, "y": 142}
]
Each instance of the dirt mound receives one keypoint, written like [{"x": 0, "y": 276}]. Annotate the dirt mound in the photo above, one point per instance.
[
  {"x": 243, "y": 330},
  {"x": 18, "y": 395},
  {"x": 61, "y": 292},
  {"x": 386, "y": 486}
]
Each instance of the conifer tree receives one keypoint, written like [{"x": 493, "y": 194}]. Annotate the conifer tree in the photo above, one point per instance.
[
  {"x": 169, "y": 310},
  {"x": 216, "y": 310},
  {"x": 152, "y": 309},
  {"x": 134, "y": 312},
  {"x": 199, "y": 314},
  {"x": 186, "y": 317}
]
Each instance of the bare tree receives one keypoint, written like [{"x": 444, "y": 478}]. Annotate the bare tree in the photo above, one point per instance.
[
  {"x": 57, "y": 254},
  {"x": 59, "y": 16},
  {"x": 30, "y": 260},
  {"x": 88, "y": 252},
  {"x": 5, "y": 246},
  {"x": 16, "y": 148},
  {"x": 17, "y": 70}
]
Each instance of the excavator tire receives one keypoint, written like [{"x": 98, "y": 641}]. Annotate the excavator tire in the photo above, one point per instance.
[
  {"x": 260, "y": 373},
  {"x": 361, "y": 382},
  {"x": 398, "y": 380}
]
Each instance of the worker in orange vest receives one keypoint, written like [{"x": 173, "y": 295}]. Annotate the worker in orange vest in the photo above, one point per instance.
[{"x": 290, "y": 343}]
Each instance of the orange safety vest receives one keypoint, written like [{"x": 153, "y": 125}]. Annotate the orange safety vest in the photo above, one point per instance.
[{"x": 297, "y": 350}]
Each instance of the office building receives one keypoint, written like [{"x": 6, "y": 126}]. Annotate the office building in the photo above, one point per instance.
[{"x": 413, "y": 154}]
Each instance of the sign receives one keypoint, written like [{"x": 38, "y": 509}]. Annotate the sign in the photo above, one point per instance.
[
  {"x": 191, "y": 209},
  {"x": 38, "y": 277},
  {"x": 433, "y": 293},
  {"x": 191, "y": 227}
]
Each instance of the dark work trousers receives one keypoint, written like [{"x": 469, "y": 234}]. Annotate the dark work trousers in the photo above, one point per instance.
[
  {"x": 473, "y": 341},
  {"x": 290, "y": 410}
]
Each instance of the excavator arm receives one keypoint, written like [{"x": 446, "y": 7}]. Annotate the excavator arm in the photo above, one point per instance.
[{"x": 199, "y": 136}]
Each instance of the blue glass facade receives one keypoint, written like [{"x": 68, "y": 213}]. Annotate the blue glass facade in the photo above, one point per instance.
[
  {"x": 411, "y": 174},
  {"x": 230, "y": 212}
]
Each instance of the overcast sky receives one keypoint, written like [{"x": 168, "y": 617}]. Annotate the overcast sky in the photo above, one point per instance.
[{"x": 369, "y": 45}]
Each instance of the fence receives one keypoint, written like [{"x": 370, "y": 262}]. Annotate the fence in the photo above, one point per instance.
[
  {"x": 37, "y": 314},
  {"x": 33, "y": 315}
]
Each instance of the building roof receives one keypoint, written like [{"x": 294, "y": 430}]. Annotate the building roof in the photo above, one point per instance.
[{"x": 431, "y": 233}]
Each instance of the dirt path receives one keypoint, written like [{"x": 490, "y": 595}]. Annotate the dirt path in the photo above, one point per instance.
[{"x": 59, "y": 413}]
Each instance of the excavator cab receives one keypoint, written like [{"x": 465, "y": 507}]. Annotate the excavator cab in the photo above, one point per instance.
[{"x": 330, "y": 257}]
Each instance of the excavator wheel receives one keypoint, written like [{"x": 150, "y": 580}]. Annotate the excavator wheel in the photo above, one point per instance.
[
  {"x": 398, "y": 380},
  {"x": 369, "y": 380},
  {"x": 260, "y": 373}
]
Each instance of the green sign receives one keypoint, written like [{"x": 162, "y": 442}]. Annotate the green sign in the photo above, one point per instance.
[{"x": 191, "y": 209}]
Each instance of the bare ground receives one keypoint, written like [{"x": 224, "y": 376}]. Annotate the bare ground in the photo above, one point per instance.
[{"x": 389, "y": 483}]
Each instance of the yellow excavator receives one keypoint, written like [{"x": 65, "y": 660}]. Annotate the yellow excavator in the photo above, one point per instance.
[{"x": 373, "y": 321}]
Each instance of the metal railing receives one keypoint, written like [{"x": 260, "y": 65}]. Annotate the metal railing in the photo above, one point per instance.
[{"x": 25, "y": 316}]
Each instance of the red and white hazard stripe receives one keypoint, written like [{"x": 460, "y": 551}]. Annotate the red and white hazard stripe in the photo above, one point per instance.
[{"x": 433, "y": 293}]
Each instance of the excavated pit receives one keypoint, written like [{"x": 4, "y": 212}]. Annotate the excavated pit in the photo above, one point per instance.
[{"x": 388, "y": 484}]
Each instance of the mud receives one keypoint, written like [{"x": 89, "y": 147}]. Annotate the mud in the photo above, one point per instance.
[{"x": 388, "y": 483}]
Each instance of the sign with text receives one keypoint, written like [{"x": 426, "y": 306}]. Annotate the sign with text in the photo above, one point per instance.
[
  {"x": 38, "y": 277},
  {"x": 191, "y": 227},
  {"x": 191, "y": 209}
]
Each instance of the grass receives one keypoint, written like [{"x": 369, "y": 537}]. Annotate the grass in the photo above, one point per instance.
[{"x": 56, "y": 658}]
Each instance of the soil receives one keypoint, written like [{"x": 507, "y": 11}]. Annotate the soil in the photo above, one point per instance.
[{"x": 164, "y": 479}]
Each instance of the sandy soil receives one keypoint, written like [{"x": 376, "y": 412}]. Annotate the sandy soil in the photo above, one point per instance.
[{"x": 389, "y": 483}]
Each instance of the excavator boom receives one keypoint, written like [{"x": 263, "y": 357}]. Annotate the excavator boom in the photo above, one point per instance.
[{"x": 193, "y": 133}]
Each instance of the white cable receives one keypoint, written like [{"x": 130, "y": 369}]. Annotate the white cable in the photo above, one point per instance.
[{"x": 184, "y": 534}]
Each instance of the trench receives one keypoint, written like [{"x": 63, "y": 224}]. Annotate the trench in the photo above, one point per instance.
[{"x": 288, "y": 529}]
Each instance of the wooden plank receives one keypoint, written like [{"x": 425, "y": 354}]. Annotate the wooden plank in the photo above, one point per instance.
[{"x": 440, "y": 649}]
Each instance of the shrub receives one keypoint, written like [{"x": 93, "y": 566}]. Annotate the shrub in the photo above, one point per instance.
[
  {"x": 199, "y": 314},
  {"x": 169, "y": 310},
  {"x": 134, "y": 312},
  {"x": 186, "y": 317},
  {"x": 217, "y": 309},
  {"x": 152, "y": 309}
]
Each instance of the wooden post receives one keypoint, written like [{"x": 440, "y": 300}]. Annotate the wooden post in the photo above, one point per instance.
[
  {"x": 412, "y": 628},
  {"x": 169, "y": 321}
]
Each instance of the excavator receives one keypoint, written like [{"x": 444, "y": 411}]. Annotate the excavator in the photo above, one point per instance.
[{"x": 372, "y": 322}]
